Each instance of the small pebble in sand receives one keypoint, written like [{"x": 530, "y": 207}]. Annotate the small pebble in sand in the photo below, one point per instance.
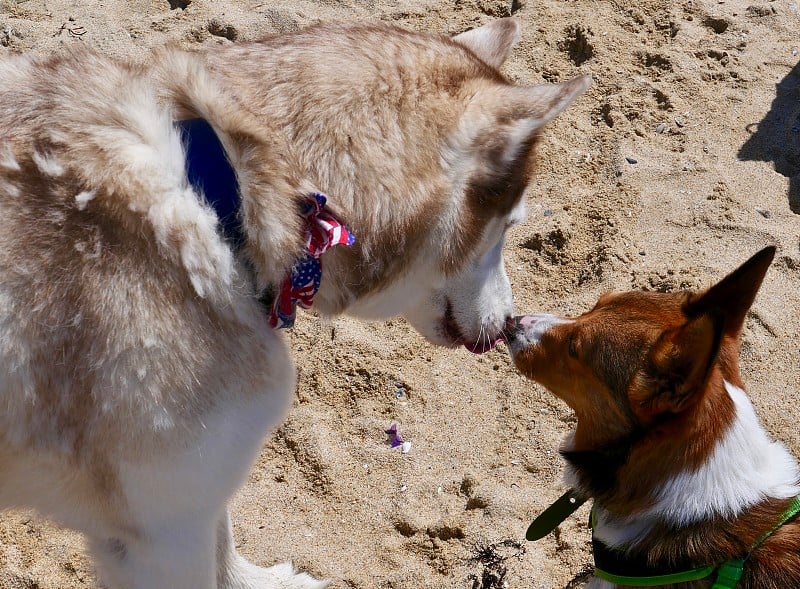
[
  {"x": 400, "y": 392},
  {"x": 631, "y": 160},
  {"x": 680, "y": 122},
  {"x": 763, "y": 212},
  {"x": 405, "y": 447},
  {"x": 548, "y": 212},
  {"x": 663, "y": 127}
]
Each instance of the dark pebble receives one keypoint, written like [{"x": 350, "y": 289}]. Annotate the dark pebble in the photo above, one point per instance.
[{"x": 630, "y": 160}]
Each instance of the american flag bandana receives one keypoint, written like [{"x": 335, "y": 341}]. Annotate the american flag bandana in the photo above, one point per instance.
[{"x": 323, "y": 231}]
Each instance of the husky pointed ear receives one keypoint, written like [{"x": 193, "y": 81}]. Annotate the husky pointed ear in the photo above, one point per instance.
[
  {"x": 493, "y": 42},
  {"x": 733, "y": 296},
  {"x": 500, "y": 128},
  {"x": 541, "y": 104},
  {"x": 677, "y": 368}
]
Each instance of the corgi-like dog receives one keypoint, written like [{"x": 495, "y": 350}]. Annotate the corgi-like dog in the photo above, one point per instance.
[
  {"x": 139, "y": 372},
  {"x": 688, "y": 488}
]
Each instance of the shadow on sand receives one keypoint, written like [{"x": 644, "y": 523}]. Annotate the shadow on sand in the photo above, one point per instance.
[{"x": 777, "y": 137}]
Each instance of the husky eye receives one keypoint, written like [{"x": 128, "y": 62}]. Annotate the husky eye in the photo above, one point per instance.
[{"x": 572, "y": 348}]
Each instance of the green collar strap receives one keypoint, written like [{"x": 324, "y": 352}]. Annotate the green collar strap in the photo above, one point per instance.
[
  {"x": 728, "y": 573},
  {"x": 656, "y": 580}
]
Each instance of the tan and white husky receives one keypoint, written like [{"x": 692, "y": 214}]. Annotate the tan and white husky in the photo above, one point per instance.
[{"x": 138, "y": 375}]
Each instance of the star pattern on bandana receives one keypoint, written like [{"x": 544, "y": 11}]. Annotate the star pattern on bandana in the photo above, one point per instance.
[{"x": 323, "y": 231}]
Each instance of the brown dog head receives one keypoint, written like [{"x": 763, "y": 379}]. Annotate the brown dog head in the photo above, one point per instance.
[{"x": 644, "y": 373}]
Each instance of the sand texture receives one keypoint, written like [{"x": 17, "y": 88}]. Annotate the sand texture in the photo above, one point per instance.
[{"x": 680, "y": 161}]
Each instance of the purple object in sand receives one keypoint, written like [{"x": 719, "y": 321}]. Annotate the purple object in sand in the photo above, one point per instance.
[{"x": 394, "y": 436}]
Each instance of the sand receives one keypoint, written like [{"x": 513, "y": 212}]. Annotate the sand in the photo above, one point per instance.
[{"x": 681, "y": 161}]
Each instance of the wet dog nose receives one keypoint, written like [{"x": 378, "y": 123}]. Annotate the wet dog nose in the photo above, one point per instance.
[
  {"x": 512, "y": 327},
  {"x": 519, "y": 324},
  {"x": 526, "y": 321}
]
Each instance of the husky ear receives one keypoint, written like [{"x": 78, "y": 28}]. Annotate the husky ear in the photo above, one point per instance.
[
  {"x": 677, "y": 368},
  {"x": 734, "y": 295},
  {"x": 492, "y": 42},
  {"x": 541, "y": 104},
  {"x": 505, "y": 120}
]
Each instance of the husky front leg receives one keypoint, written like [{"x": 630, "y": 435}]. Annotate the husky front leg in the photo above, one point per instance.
[
  {"x": 235, "y": 572},
  {"x": 177, "y": 554},
  {"x": 172, "y": 527}
]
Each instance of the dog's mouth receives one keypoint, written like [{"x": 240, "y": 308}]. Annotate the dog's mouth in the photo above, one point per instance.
[{"x": 452, "y": 332}]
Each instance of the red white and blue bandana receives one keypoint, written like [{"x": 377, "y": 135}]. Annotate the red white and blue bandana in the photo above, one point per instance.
[
  {"x": 210, "y": 173},
  {"x": 323, "y": 231}
]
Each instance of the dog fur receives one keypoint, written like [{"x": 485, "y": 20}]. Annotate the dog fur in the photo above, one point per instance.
[
  {"x": 667, "y": 443},
  {"x": 138, "y": 376}
]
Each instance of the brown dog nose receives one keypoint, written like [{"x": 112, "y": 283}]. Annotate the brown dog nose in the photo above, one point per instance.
[{"x": 511, "y": 327}]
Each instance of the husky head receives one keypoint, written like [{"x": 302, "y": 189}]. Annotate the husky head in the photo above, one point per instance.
[{"x": 425, "y": 151}]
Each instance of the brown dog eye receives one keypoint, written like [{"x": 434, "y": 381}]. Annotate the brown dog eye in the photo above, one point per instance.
[{"x": 573, "y": 350}]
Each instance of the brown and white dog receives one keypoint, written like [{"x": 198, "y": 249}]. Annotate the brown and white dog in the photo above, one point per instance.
[
  {"x": 682, "y": 473},
  {"x": 138, "y": 376}
]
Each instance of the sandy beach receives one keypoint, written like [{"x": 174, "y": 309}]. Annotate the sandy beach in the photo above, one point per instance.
[{"x": 680, "y": 161}]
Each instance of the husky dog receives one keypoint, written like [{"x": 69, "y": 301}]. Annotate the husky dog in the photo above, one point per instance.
[{"x": 138, "y": 371}]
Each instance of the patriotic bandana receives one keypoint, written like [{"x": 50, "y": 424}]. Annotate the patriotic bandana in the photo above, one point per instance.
[{"x": 323, "y": 231}]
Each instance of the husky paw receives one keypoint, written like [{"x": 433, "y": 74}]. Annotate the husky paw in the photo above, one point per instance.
[
  {"x": 287, "y": 578},
  {"x": 280, "y": 576}
]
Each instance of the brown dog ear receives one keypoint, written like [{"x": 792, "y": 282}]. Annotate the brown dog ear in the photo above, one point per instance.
[
  {"x": 493, "y": 42},
  {"x": 733, "y": 296},
  {"x": 677, "y": 368}
]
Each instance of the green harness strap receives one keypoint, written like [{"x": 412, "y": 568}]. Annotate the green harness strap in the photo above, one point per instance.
[
  {"x": 731, "y": 570},
  {"x": 728, "y": 573}
]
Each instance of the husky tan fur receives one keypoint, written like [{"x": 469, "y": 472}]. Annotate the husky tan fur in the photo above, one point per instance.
[{"x": 138, "y": 376}]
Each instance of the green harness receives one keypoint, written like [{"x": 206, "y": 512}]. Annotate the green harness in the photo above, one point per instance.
[{"x": 728, "y": 572}]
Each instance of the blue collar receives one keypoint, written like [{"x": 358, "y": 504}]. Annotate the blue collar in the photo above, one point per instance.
[{"x": 211, "y": 174}]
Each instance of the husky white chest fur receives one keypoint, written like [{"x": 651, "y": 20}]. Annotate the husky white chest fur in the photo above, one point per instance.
[{"x": 138, "y": 375}]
